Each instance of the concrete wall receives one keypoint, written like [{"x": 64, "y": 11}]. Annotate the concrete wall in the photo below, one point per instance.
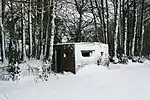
[{"x": 96, "y": 47}]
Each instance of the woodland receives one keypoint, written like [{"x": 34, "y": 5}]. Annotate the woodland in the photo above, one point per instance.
[{"x": 30, "y": 28}]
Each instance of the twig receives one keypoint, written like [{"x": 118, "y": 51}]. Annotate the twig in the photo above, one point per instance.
[{"x": 6, "y": 96}]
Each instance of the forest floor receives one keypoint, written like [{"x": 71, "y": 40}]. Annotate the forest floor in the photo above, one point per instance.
[{"x": 120, "y": 82}]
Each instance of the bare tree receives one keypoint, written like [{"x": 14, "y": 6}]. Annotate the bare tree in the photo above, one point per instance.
[
  {"x": 30, "y": 28},
  {"x": 42, "y": 30},
  {"x": 24, "y": 57},
  {"x": 116, "y": 29},
  {"x": 135, "y": 27},
  {"x": 2, "y": 33},
  {"x": 52, "y": 31},
  {"x": 107, "y": 22},
  {"x": 142, "y": 27}
]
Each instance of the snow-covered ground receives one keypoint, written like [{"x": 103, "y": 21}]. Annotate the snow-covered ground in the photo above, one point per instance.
[{"x": 120, "y": 82}]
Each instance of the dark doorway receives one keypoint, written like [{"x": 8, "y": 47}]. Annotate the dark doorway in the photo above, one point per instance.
[{"x": 64, "y": 58}]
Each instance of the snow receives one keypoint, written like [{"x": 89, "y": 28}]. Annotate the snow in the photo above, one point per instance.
[
  {"x": 120, "y": 82},
  {"x": 26, "y": 67}
]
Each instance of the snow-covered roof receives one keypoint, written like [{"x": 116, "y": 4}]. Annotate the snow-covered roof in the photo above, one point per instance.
[{"x": 79, "y": 43}]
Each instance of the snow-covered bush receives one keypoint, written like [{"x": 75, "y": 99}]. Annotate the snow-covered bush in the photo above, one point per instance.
[
  {"x": 120, "y": 59},
  {"x": 135, "y": 59},
  {"x": 123, "y": 59},
  {"x": 40, "y": 76},
  {"x": 14, "y": 71},
  {"x": 29, "y": 67},
  {"x": 4, "y": 75},
  {"x": 10, "y": 72},
  {"x": 130, "y": 57},
  {"x": 115, "y": 60},
  {"x": 42, "y": 72},
  {"x": 138, "y": 59},
  {"x": 141, "y": 59},
  {"x": 147, "y": 62},
  {"x": 104, "y": 62}
]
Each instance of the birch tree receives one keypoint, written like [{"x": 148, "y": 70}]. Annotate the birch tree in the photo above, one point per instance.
[
  {"x": 47, "y": 28},
  {"x": 30, "y": 28},
  {"x": 2, "y": 34},
  {"x": 42, "y": 30},
  {"x": 36, "y": 30},
  {"x": 52, "y": 31},
  {"x": 33, "y": 21},
  {"x": 142, "y": 27},
  {"x": 125, "y": 40},
  {"x": 135, "y": 27},
  {"x": 116, "y": 29},
  {"x": 107, "y": 22},
  {"x": 126, "y": 27},
  {"x": 24, "y": 57},
  {"x": 123, "y": 22}
]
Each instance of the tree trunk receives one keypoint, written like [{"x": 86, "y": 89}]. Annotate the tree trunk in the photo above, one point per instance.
[
  {"x": 134, "y": 33},
  {"x": 78, "y": 33},
  {"x": 141, "y": 28},
  {"x": 2, "y": 34},
  {"x": 42, "y": 31},
  {"x": 142, "y": 37},
  {"x": 100, "y": 18},
  {"x": 2, "y": 31},
  {"x": 125, "y": 40},
  {"x": 52, "y": 31},
  {"x": 116, "y": 30},
  {"x": 30, "y": 29},
  {"x": 47, "y": 30},
  {"x": 35, "y": 33},
  {"x": 107, "y": 22},
  {"x": 3, "y": 44},
  {"x": 24, "y": 58},
  {"x": 123, "y": 24},
  {"x": 95, "y": 22},
  {"x": 104, "y": 22}
]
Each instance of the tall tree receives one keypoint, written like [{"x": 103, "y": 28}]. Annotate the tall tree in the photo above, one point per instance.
[
  {"x": 107, "y": 22},
  {"x": 24, "y": 57},
  {"x": 126, "y": 27},
  {"x": 135, "y": 27},
  {"x": 142, "y": 27},
  {"x": 80, "y": 7},
  {"x": 2, "y": 33},
  {"x": 116, "y": 28},
  {"x": 30, "y": 28},
  {"x": 47, "y": 28},
  {"x": 99, "y": 13},
  {"x": 52, "y": 31},
  {"x": 42, "y": 30},
  {"x": 94, "y": 16},
  {"x": 103, "y": 21},
  {"x": 126, "y": 33}
]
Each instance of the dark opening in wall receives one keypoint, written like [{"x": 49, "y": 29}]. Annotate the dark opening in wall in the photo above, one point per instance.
[{"x": 87, "y": 53}]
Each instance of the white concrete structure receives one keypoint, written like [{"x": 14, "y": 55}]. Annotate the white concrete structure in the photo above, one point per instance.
[
  {"x": 89, "y": 53},
  {"x": 72, "y": 56}
]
